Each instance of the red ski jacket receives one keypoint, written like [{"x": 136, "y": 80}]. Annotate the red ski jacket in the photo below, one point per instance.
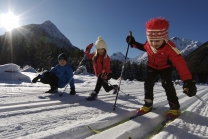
[
  {"x": 100, "y": 66},
  {"x": 167, "y": 52}
]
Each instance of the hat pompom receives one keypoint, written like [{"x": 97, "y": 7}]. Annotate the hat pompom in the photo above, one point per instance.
[
  {"x": 99, "y": 38},
  {"x": 157, "y": 23}
]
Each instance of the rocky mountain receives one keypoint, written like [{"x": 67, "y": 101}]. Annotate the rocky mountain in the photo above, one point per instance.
[
  {"x": 118, "y": 56},
  {"x": 186, "y": 46},
  {"x": 34, "y": 42},
  {"x": 46, "y": 31}
]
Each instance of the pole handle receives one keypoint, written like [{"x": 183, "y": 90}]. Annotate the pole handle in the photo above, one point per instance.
[{"x": 130, "y": 35}]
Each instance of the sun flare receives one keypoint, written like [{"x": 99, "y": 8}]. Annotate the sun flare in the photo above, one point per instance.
[{"x": 9, "y": 21}]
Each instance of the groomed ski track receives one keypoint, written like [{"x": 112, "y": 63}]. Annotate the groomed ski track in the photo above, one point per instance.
[
  {"x": 140, "y": 127},
  {"x": 41, "y": 103}
]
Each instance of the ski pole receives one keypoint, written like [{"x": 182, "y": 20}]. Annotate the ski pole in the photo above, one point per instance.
[
  {"x": 61, "y": 94},
  {"x": 185, "y": 90},
  {"x": 116, "y": 88},
  {"x": 114, "y": 106},
  {"x": 201, "y": 99}
]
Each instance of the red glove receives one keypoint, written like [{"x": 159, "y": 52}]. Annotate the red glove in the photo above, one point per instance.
[
  {"x": 88, "y": 48},
  {"x": 104, "y": 76}
]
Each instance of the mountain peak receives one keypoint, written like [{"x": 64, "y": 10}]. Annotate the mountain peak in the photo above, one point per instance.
[
  {"x": 175, "y": 38},
  {"x": 48, "y": 22},
  {"x": 36, "y": 31},
  {"x": 186, "y": 46},
  {"x": 118, "y": 56}
]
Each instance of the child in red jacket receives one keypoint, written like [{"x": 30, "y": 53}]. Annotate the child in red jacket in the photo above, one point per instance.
[
  {"x": 162, "y": 53},
  {"x": 101, "y": 66}
]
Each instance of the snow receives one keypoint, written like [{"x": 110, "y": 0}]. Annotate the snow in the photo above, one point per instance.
[{"x": 28, "y": 113}]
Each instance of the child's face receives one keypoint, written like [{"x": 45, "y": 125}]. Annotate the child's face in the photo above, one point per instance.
[
  {"x": 101, "y": 51},
  {"x": 156, "y": 43},
  {"x": 62, "y": 62}
]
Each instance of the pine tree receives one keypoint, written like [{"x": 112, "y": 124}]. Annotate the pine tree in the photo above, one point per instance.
[{"x": 42, "y": 57}]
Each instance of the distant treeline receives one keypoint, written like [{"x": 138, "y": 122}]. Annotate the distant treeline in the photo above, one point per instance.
[{"x": 39, "y": 55}]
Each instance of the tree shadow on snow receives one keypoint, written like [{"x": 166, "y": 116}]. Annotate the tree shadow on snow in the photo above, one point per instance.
[
  {"x": 104, "y": 103},
  {"x": 188, "y": 120}
]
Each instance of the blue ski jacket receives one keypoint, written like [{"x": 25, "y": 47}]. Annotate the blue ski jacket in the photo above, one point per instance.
[{"x": 64, "y": 74}]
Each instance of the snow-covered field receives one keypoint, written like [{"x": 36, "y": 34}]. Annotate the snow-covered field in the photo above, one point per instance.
[{"x": 28, "y": 113}]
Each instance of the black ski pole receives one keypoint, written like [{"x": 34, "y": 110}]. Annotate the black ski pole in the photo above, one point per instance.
[
  {"x": 185, "y": 91},
  {"x": 114, "y": 106},
  {"x": 61, "y": 94}
]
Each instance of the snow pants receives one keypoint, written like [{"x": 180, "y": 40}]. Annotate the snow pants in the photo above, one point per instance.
[
  {"x": 166, "y": 78},
  {"x": 101, "y": 82},
  {"x": 51, "y": 79}
]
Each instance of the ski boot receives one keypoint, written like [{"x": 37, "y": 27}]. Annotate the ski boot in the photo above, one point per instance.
[
  {"x": 146, "y": 108},
  {"x": 92, "y": 96},
  {"x": 72, "y": 92},
  {"x": 172, "y": 114},
  {"x": 52, "y": 90}
]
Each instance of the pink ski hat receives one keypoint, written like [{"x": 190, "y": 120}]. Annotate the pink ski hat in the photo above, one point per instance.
[{"x": 157, "y": 28}]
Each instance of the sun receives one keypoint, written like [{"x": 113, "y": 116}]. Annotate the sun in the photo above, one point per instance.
[{"x": 9, "y": 21}]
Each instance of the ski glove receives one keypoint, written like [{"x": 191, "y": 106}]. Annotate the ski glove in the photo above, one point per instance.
[
  {"x": 189, "y": 88},
  {"x": 130, "y": 40},
  {"x": 88, "y": 48},
  {"x": 105, "y": 76}
]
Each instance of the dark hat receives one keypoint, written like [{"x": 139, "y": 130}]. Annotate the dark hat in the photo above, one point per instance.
[{"x": 62, "y": 56}]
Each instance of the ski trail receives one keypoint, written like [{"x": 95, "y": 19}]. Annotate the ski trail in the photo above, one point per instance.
[
  {"x": 136, "y": 128},
  {"x": 48, "y": 102},
  {"x": 44, "y": 123},
  {"x": 61, "y": 113}
]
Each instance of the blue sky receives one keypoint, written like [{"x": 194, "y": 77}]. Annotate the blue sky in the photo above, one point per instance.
[{"x": 82, "y": 21}]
